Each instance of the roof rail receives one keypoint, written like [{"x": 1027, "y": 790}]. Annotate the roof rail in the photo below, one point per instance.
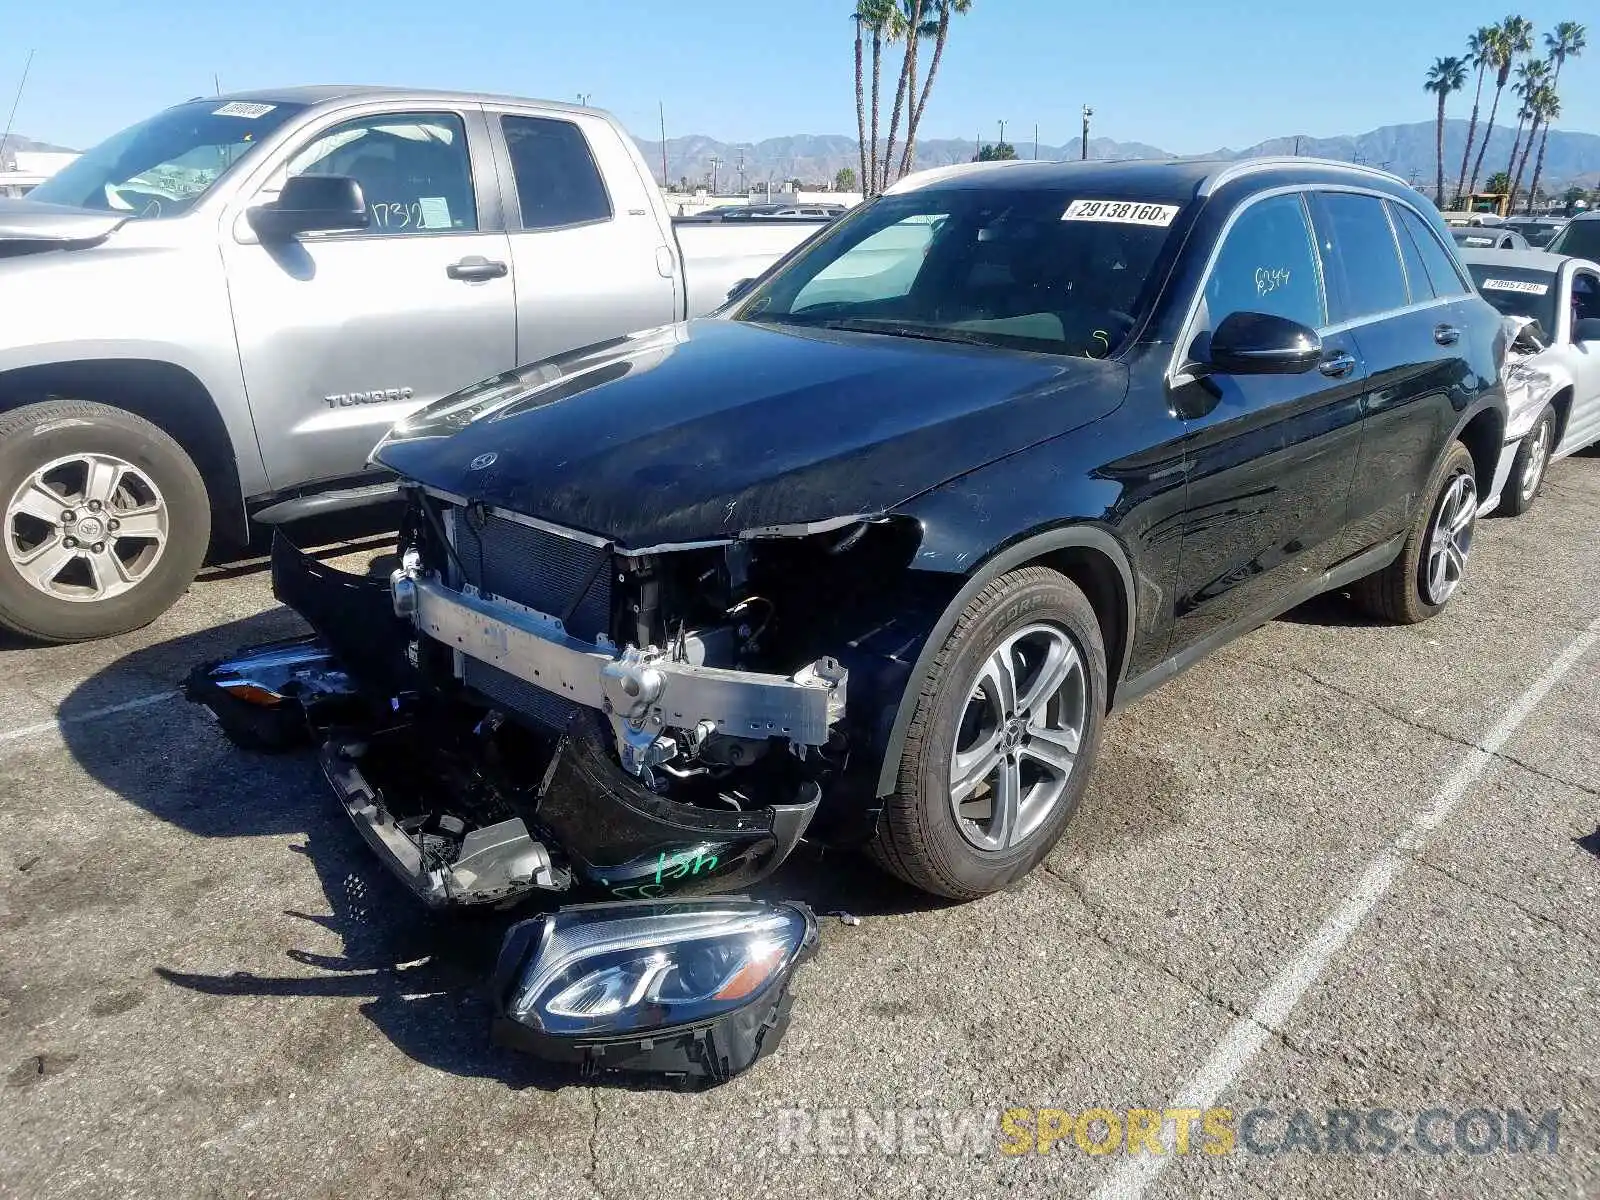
[{"x": 1249, "y": 166}]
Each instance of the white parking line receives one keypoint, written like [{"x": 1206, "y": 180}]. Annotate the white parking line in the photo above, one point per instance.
[
  {"x": 1248, "y": 1034},
  {"x": 11, "y": 735}
]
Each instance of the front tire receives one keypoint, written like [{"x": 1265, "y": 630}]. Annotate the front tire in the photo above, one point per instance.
[
  {"x": 1528, "y": 467},
  {"x": 106, "y": 521},
  {"x": 1002, "y": 739},
  {"x": 1421, "y": 581}
]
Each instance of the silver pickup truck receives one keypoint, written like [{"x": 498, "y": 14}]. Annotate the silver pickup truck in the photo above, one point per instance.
[{"x": 212, "y": 317}]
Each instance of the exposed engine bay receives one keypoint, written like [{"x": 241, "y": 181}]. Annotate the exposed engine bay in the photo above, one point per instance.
[{"x": 522, "y": 709}]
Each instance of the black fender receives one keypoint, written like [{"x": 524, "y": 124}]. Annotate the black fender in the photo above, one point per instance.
[{"x": 1017, "y": 554}]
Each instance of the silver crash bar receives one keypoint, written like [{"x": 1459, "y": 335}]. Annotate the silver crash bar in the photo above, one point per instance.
[{"x": 643, "y": 688}]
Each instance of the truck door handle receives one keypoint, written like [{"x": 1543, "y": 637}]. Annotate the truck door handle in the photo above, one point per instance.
[
  {"x": 1446, "y": 335},
  {"x": 1337, "y": 365},
  {"x": 474, "y": 268}
]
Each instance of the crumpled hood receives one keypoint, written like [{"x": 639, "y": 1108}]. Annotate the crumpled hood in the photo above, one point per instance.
[
  {"x": 717, "y": 428},
  {"x": 30, "y": 223}
]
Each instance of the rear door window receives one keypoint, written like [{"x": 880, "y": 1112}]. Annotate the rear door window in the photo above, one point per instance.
[
  {"x": 1359, "y": 248},
  {"x": 557, "y": 180},
  {"x": 1439, "y": 262},
  {"x": 1267, "y": 264}
]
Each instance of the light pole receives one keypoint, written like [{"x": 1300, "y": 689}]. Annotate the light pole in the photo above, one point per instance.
[
  {"x": 1083, "y": 149},
  {"x": 1002, "y": 133},
  {"x": 715, "y": 163}
]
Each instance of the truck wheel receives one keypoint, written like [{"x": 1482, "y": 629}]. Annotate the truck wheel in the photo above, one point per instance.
[
  {"x": 1002, "y": 739},
  {"x": 1419, "y": 583},
  {"x": 106, "y": 521},
  {"x": 1528, "y": 467}
]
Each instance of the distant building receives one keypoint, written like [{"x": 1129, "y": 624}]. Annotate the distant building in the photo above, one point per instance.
[{"x": 24, "y": 170}]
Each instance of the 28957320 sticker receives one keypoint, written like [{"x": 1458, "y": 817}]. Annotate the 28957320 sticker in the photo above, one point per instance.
[
  {"x": 1121, "y": 212},
  {"x": 1527, "y": 287}
]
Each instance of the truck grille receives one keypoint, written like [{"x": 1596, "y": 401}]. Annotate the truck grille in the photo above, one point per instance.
[{"x": 543, "y": 571}]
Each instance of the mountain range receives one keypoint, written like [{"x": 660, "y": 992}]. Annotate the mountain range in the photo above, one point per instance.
[{"x": 1406, "y": 150}]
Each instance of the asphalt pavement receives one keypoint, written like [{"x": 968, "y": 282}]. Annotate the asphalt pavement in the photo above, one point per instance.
[{"x": 1341, "y": 876}]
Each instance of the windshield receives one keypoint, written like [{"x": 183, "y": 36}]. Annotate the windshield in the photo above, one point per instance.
[
  {"x": 161, "y": 167},
  {"x": 1034, "y": 270},
  {"x": 1518, "y": 293},
  {"x": 1580, "y": 239},
  {"x": 1476, "y": 239}
]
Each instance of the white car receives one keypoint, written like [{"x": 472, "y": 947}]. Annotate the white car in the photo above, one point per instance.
[{"x": 1552, "y": 304}]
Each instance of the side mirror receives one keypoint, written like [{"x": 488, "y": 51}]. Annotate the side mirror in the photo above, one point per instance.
[
  {"x": 691, "y": 991},
  {"x": 311, "y": 204},
  {"x": 1249, "y": 343},
  {"x": 1586, "y": 329},
  {"x": 740, "y": 288}
]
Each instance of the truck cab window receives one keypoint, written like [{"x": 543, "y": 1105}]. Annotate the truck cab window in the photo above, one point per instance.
[
  {"x": 557, "y": 180},
  {"x": 413, "y": 170}
]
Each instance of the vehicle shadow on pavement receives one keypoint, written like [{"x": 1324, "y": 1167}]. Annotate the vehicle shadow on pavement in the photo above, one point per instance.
[{"x": 421, "y": 976}]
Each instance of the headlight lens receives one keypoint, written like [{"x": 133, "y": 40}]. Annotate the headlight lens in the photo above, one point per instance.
[{"x": 634, "y": 967}]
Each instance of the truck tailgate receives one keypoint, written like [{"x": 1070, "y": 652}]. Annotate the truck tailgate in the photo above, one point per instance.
[{"x": 717, "y": 255}]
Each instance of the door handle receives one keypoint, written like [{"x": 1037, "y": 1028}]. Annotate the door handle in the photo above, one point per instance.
[
  {"x": 1337, "y": 365},
  {"x": 475, "y": 268},
  {"x": 1446, "y": 335}
]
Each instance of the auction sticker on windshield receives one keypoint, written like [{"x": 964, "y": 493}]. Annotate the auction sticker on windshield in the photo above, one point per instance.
[
  {"x": 1516, "y": 285},
  {"x": 243, "y": 108},
  {"x": 1121, "y": 212}
]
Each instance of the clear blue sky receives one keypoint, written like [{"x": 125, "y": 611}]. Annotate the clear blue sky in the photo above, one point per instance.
[{"x": 1187, "y": 77}]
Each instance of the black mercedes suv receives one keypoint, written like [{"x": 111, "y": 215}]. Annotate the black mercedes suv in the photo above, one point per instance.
[{"x": 868, "y": 556}]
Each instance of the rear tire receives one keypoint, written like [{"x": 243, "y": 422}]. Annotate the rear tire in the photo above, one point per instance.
[
  {"x": 106, "y": 521},
  {"x": 1529, "y": 466},
  {"x": 950, "y": 828},
  {"x": 1421, "y": 581}
]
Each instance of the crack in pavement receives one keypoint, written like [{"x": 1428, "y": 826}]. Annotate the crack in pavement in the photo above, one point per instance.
[
  {"x": 1405, "y": 719},
  {"x": 1490, "y": 894},
  {"x": 1357, "y": 1061}
]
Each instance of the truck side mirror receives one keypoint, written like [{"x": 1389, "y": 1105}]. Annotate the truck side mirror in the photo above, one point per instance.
[{"x": 311, "y": 204}]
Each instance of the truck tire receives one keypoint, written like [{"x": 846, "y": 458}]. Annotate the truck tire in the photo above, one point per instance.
[
  {"x": 1420, "y": 582},
  {"x": 106, "y": 521},
  {"x": 1002, "y": 739}
]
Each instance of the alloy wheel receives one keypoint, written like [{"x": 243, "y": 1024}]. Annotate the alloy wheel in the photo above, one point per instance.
[
  {"x": 86, "y": 527},
  {"x": 1018, "y": 737},
  {"x": 1538, "y": 458},
  {"x": 1450, "y": 540}
]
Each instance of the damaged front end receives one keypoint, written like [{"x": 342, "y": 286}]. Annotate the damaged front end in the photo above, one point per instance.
[{"x": 524, "y": 710}]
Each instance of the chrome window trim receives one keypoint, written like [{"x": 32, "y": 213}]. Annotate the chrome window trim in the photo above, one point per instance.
[{"x": 1175, "y": 374}]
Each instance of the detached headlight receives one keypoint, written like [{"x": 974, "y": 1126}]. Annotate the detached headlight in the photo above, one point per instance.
[{"x": 693, "y": 989}]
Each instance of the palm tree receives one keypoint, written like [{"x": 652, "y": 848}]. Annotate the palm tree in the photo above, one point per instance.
[
  {"x": 1445, "y": 76},
  {"x": 1548, "y": 105},
  {"x": 1568, "y": 41},
  {"x": 1515, "y": 37},
  {"x": 941, "y": 35},
  {"x": 910, "y": 27},
  {"x": 859, "y": 19},
  {"x": 1480, "y": 51},
  {"x": 1531, "y": 76},
  {"x": 878, "y": 16}
]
